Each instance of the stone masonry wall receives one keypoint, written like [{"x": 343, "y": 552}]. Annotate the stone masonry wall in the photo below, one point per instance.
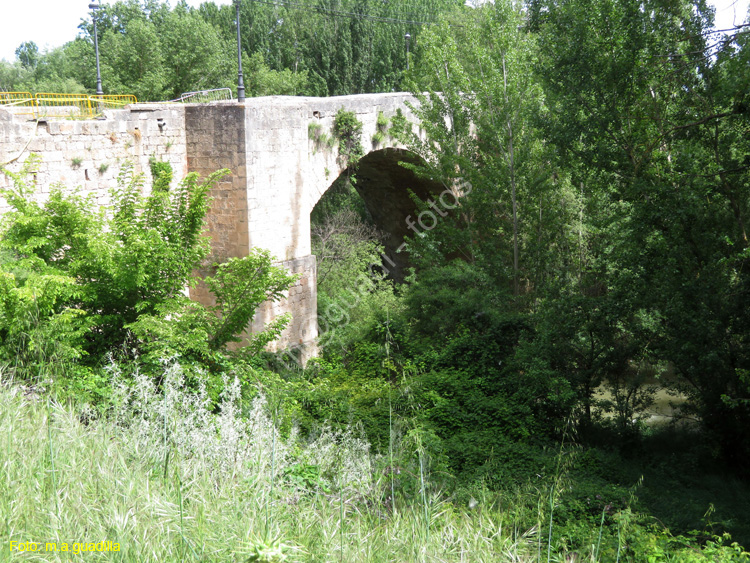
[
  {"x": 216, "y": 139},
  {"x": 302, "y": 302},
  {"x": 286, "y": 176},
  {"x": 89, "y": 155}
]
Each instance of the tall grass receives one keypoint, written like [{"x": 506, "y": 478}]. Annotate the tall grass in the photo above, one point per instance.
[
  {"x": 223, "y": 496},
  {"x": 169, "y": 478}
]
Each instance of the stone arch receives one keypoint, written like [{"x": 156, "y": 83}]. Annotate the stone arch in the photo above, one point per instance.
[{"x": 386, "y": 188}]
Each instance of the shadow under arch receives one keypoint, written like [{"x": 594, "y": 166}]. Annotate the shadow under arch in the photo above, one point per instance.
[{"x": 385, "y": 186}]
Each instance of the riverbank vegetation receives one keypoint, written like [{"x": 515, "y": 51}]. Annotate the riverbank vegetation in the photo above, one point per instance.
[
  {"x": 166, "y": 477},
  {"x": 588, "y": 254}
]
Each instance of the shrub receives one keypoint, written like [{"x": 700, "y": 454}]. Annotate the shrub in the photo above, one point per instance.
[
  {"x": 76, "y": 286},
  {"x": 348, "y": 130}
]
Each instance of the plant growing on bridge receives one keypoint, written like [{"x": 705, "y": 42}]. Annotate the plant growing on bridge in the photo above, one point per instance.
[
  {"x": 400, "y": 127},
  {"x": 348, "y": 130},
  {"x": 321, "y": 140},
  {"x": 381, "y": 130}
]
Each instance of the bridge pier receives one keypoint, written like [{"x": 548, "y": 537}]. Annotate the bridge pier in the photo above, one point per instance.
[{"x": 278, "y": 176}]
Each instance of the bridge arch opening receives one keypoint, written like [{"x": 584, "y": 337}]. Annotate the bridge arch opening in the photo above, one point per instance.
[{"x": 383, "y": 201}]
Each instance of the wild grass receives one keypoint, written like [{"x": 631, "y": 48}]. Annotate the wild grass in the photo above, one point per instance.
[
  {"x": 170, "y": 480},
  {"x": 169, "y": 477},
  {"x": 322, "y": 141}
]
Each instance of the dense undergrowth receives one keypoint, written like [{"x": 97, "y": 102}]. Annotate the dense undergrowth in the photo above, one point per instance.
[
  {"x": 414, "y": 437},
  {"x": 167, "y": 477}
]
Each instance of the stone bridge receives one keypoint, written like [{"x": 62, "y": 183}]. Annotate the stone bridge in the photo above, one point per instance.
[{"x": 279, "y": 173}]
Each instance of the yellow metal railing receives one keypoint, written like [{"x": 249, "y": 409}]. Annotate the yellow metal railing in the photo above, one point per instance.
[
  {"x": 18, "y": 100},
  {"x": 7, "y": 98},
  {"x": 71, "y": 106},
  {"x": 77, "y": 106}
]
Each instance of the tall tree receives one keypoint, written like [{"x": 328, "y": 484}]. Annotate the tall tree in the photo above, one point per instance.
[
  {"x": 653, "y": 127},
  {"x": 27, "y": 54},
  {"x": 489, "y": 246},
  {"x": 481, "y": 137}
]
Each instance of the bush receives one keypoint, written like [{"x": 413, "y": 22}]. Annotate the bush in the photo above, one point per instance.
[
  {"x": 77, "y": 286},
  {"x": 348, "y": 130}
]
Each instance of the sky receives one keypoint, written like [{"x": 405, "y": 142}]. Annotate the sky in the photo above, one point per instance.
[{"x": 52, "y": 23}]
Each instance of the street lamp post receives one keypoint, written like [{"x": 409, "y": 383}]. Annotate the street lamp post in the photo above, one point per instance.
[
  {"x": 240, "y": 80},
  {"x": 407, "y": 37},
  {"x": 99, "y": 91}
]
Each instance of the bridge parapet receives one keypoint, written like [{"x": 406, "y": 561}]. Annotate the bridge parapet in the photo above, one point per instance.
[{"x": 88, "y": 154}]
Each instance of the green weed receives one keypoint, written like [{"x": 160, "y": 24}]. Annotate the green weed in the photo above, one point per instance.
[{"x": 229, "y": 492}]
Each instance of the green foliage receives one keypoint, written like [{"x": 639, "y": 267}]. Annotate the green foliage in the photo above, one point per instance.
[
  {"x": 267, "y": 552},
  {"x": 400, "y": 128},
  {"x": 267, "y": 82},
  {"x": 27, "y": 54},
  {"x": 49, "y": 71},
  {"x": 597, "y": 156},
  {"x": 381, "y": 130},
  {"x": 241, "y": 285},
  {"x": 133, "y": 61},
  {"x": 671, "y": 190},
  {"x": 377, "y": 139},
  {"x": 40, "y": 333},
  {"x": 321, "y": 140},
  {"x": 161, "y": 173},
  {"x": 382, "y": 122},
  {"x": 157, "y": 52},
  {"x": 348, "y": 130},
  {"x": 313, "y": 130},
  {"x": 305, "y": 517},
  {"x": 596, "y": 198},
  {"x": 194, "y": 53},
  {"x": 341, "y": 196},
  {"x": 449, "y": 296},
  {"x": 78, "y": 286},
  {"x": 43, "y": 321},
  {"x": 208, "y": 484},
  {"x": 352, "y": 293},
  {"x": 341, "y": 55},
  {"x": 478, "y": 100},
  {"x": 307, "y": 477}
]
